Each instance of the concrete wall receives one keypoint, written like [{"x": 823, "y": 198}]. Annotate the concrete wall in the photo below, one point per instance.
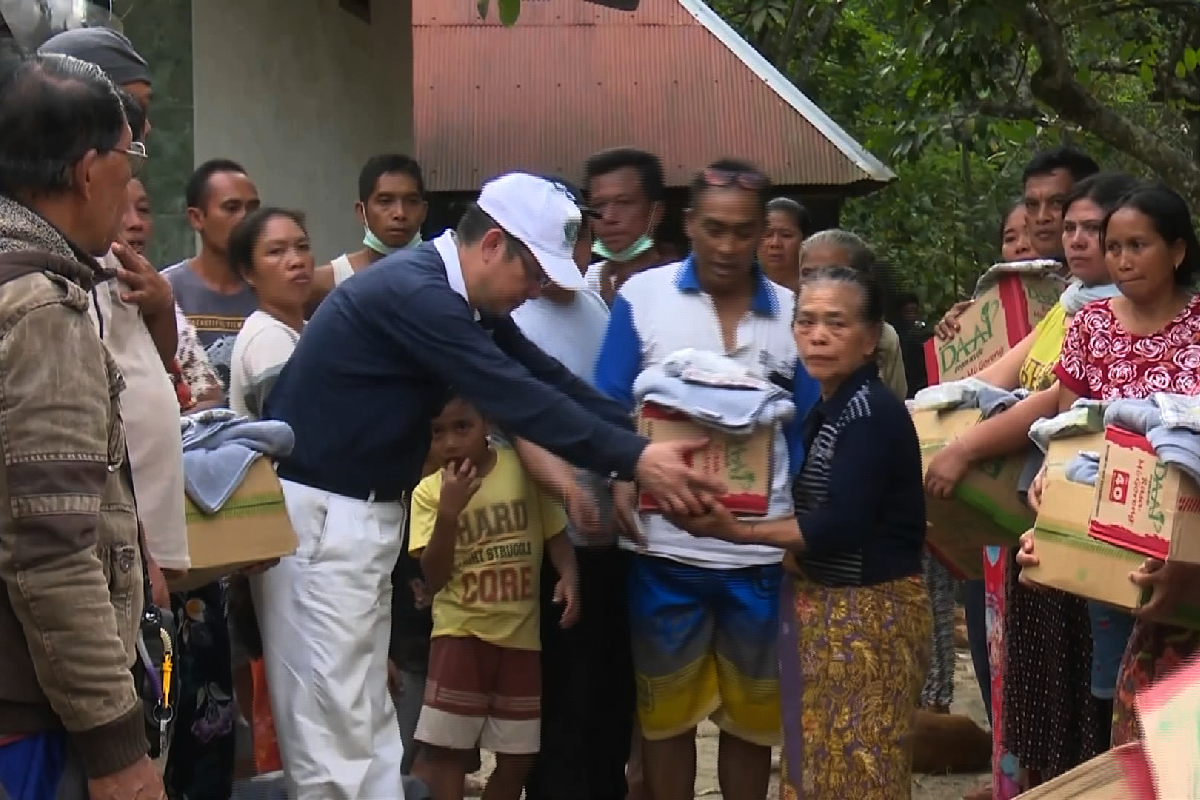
[
  {"x": 162, "y": 32},
  {"x": 301, "y": 92}
]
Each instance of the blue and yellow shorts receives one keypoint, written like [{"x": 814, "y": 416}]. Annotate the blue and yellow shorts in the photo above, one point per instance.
[{"x": 705, "y": 644}]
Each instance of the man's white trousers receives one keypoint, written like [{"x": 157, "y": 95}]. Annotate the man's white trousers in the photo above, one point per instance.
[{"x": 325, "y": 615}]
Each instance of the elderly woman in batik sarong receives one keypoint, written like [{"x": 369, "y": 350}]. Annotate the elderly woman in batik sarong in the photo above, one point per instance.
[{"x": 855, "y": 636}]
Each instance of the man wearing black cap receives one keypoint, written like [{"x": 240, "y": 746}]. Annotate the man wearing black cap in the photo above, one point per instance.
[
  {"x": 134, "y": 312},
  {"x": 111, "y": 52}
]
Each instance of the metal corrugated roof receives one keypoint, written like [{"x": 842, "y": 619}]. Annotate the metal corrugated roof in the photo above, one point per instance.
[{"x": 571, "y": 78}]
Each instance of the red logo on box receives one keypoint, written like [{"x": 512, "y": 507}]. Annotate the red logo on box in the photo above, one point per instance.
[{"x": 1118, "y": 487}]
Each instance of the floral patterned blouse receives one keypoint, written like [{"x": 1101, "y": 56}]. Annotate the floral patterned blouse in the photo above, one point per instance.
[
  {"x": 1100, "y": 360},
  {"x": 192, "y": 373}
]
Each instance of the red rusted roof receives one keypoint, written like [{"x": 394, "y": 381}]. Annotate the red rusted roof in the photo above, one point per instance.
[{"x": 572, "y": 78}]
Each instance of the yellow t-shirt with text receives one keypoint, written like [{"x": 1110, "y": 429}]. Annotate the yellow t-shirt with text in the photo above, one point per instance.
[
  {"x": 1037, "y": 373},
  {"x": 494, "y": 589}
]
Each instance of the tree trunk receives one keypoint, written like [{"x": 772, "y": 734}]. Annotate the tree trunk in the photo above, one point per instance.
[
  {"x": 816, "y": 40},
  {"x": 1054, "y": 84}
]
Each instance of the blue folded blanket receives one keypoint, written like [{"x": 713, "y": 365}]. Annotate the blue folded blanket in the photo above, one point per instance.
[{"x": 218, "y": 449}]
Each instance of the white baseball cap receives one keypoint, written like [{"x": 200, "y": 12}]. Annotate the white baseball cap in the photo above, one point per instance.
[{"x": 542, "y": 215}]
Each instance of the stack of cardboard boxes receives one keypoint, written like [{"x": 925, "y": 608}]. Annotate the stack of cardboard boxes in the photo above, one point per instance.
[
  {"x": 986, "y": 508},
  {"x": 1089, "y": 537}
]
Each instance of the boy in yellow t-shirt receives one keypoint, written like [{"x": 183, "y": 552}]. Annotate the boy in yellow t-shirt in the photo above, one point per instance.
[{"x": 478, "y": 527}]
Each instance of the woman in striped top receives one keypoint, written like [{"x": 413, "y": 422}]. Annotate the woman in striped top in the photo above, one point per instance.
[{"x": 855, "y": 645}]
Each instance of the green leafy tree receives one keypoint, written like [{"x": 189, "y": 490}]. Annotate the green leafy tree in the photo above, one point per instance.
[
  {"x": 957, "y": 94},
  {"x": 1123, "y": 72}
]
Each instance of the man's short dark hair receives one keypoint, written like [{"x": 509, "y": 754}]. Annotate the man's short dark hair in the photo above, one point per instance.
[
  {"x": 732, "y": 173},
  {"x": 134, "y": 114},
  {"x": 648, "y": 166},
  {"x": 195, "y": 192},
  {"x": 1076, "y": 162},
  {"x": 53, "y": 111},
  {"x": 388, "y": 164}
]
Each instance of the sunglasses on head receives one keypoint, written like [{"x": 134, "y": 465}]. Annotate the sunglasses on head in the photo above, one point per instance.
[{"x": 721, "y": 178}]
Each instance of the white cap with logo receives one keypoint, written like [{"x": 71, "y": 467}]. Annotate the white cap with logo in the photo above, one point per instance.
[{"x": 543, "y": 216}]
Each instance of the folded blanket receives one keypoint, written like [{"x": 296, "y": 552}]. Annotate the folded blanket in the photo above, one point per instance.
[
  {"x": 1042, "y": 267},
  {"x": 1168, "y": 422},
  {"x": 1077, "y": 295},
  {"x": 1075, "y": 421},
  {"x": 1178, "y": 447},
  {"x": 968, "y": 393},
  {"x": 1084, "y": 468},
  {"x": 219, "y": 447},
  {"x": 1178, "y": 411},
  {"x": 723, "y": 396},
  {"x": 1138, "y": 416}
]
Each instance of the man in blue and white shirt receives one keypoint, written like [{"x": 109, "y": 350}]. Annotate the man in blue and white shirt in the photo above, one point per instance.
[{"x": 704, "y": 612}]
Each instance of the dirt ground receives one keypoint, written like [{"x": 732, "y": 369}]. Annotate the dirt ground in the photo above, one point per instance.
[{"x": 925, "y": 787}]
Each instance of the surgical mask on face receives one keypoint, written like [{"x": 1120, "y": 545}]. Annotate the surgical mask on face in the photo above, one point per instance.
[
  {"x": 372, "y": 242},
  {"x": 640, "y": 246}
]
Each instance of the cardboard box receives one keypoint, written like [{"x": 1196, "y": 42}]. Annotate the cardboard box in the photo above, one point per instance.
[
  {"x": 252, "y": 527},
  {"x": 1067, "y": 506},
  {"x": 1071, "y": 560},
  {"x": 1145, "y": 505},
  {"x": 1119, "y": 774},
  {"x": 744, "y": 463},
  {"x": 1097, "y": 571},
  {"x": 997, "y": 320},
  {"x": 985, "y": 510}
]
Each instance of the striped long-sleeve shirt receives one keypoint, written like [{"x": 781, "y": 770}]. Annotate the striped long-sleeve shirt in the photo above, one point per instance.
[{"x": 860, "y": 502}]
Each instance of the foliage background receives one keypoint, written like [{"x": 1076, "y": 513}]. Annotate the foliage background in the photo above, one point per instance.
[{"x": 956, "y": 95}]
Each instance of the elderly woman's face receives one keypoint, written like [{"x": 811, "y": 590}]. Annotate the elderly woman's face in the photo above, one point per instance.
[{"x": 832, "y": 335}]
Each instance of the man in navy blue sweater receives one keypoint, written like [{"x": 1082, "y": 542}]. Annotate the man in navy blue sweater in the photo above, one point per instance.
[{"x": 373, "y": 367}]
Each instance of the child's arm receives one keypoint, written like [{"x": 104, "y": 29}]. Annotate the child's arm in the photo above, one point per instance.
[
  {"x": 566, "y": 591},
  {"x": 437, "y": 559}
]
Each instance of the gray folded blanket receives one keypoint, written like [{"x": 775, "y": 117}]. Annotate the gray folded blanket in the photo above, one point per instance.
[{"x": 218, "y": 449}]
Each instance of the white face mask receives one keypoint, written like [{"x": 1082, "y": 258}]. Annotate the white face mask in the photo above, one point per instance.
[
  {"x": 372, "y": 242},
  {"x": 640, "y": 245}
]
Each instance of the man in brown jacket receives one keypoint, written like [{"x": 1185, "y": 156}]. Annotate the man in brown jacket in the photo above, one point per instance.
[{"x": 71, "y": 723}]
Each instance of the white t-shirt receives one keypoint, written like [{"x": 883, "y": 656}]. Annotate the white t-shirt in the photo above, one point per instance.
[
  {"x": 594, "y": 277},
  {"x": 571, "y": 332},
  {"x": 262, "y": 347},
  {"x": 150, "y": 412}
]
